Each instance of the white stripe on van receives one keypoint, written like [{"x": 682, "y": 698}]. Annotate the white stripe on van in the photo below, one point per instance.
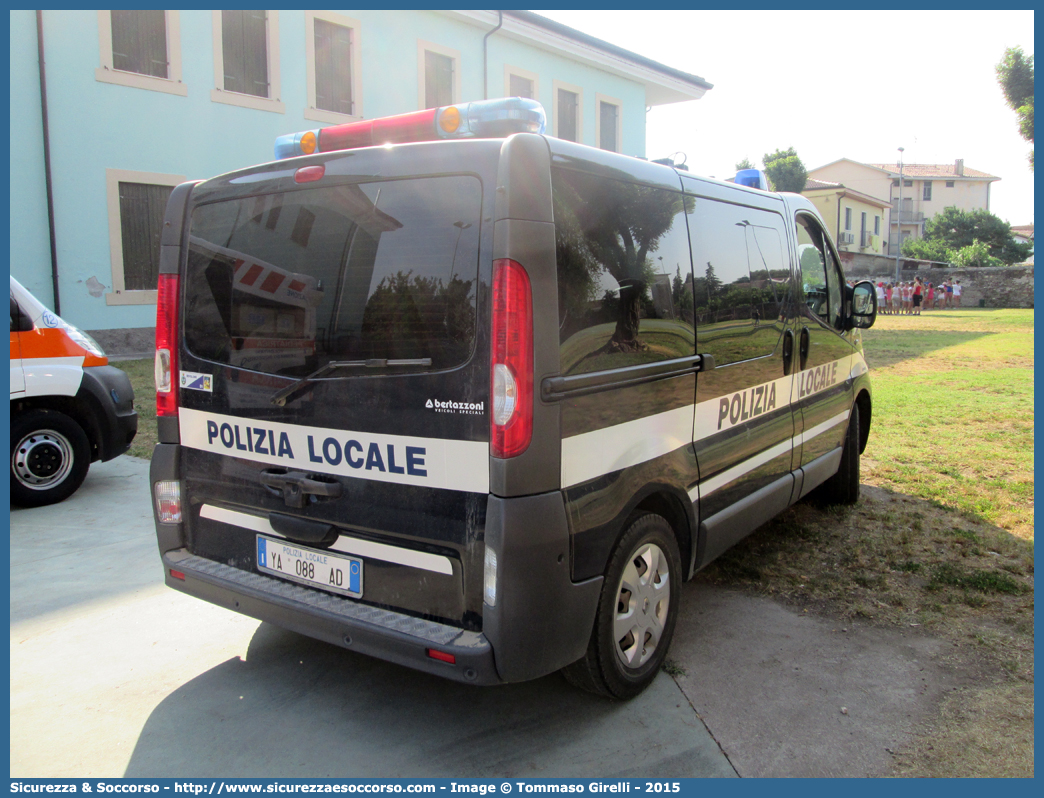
[
  {"x": 603, "y": 451},
  {"x": 347, "y": 545},
  {"x": 708, "y": 486},
  {"x": 429, "y": 462},
  {"x": 593, "y": 454}
]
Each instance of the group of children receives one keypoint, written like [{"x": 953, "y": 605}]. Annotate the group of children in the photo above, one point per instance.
[{"x": 908, "y": 298}]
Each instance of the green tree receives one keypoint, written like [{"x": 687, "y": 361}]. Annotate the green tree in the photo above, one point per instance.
[
  {"x": 953, "y": 230},
  {"x": 744, "y": 164},
  {"x": 785, "y": 170},
  {"x": 975, "y": 254},
  {"x": 1015, "y": 75},
  {"x": 923, "y": 249}
]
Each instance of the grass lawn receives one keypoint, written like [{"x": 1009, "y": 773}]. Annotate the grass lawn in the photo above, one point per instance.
[
  {"x": 942, "y": 540},
  {"x": 141, "y": 377}
]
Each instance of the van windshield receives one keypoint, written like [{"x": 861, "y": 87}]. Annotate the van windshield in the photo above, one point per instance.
[{"x": 284, "y": 283}]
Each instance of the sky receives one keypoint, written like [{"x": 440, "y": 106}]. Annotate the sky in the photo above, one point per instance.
[{"x": 835, "y": 84}]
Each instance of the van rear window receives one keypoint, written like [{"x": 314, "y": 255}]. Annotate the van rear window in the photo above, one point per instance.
[{"x": 283, "y": 283}]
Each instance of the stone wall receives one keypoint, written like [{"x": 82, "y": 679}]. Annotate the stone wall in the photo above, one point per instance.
[{"x": 1001, "y": 287}]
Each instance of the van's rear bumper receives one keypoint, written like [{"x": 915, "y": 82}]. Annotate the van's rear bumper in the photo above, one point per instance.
[
  {"x": 539, "y": 622},
  {"x": 377, "y": 632}
]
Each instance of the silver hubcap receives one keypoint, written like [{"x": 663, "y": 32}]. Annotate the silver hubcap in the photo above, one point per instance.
[
  {"x": 642, "y": 600},
  {"x": 42, "y": 459}
]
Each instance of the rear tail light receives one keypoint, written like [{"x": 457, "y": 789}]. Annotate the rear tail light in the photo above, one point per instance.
[
  {"x": 168, "y": 501},
  {"x": 177, "y": 574},
  {"x": 511, "y": 419},
  {"x": 167, "y": 346}
]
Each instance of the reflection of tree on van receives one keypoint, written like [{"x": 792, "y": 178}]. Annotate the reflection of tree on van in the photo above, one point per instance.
[
  {"x": 409, "y": 314},
  {"x": 606, "y": 232},
  {"x": 813, "y": 278}
]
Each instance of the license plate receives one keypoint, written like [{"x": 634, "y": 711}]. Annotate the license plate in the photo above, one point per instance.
[{"x": 319, "y": 569}]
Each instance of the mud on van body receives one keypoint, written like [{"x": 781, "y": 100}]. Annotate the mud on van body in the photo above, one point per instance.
[{"x": 479, "y": 407}]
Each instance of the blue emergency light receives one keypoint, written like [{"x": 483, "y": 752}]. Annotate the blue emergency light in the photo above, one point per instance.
[{"x": 754, "y": 178}]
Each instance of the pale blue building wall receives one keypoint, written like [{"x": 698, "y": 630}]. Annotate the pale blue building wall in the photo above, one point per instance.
[
  {"x": 30, "y": 250},
  {"x": 96, "y": 125}
]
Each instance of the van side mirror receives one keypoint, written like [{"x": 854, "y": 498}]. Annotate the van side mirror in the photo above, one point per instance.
[{"x": 863, "y": 305}]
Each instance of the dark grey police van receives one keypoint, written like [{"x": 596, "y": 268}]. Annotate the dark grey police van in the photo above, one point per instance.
[{"x": 450, "y": 392}]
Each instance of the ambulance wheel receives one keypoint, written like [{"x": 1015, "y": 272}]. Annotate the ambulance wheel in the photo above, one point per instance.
[
  {"x": 637, "y": 612},
  {"x": 50, "y": 455},
  {"x": 843, "y": 487}
]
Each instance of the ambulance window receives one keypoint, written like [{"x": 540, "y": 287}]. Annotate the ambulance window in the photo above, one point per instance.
[
  {"x": 624, "y": 275},
  {"x": 820, "y": 278},
  {"x": 284, "y": 283},
  {"x": 741, "y": 279},
  {"x": 20, "y": 322}
]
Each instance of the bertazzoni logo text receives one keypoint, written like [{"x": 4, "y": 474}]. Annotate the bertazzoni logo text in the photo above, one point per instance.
[{"x": 466, "y": 408}]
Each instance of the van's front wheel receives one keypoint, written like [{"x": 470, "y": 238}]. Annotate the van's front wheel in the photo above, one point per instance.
[
  {"x": 843, "y": 487},
  {"x": 636, "y": 612},
  {"x": 50, "y": 455}
]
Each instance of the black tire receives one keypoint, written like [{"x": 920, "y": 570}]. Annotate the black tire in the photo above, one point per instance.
[
  {"x": 843, "y": 487},
  {"x": 649, "y": 540},
  {"x": 50, "y": 455}
]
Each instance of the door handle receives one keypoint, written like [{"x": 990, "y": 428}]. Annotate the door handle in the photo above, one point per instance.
[
  {"x": 788, "y": 352},
  {"x": 803, "y": 347},
  {"x": 295, "y": 485}
]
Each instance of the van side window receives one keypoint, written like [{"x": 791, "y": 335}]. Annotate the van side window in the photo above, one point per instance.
[
  {"x": 624, "y": 275},
  {"x": 741, "y": 280},
  {"x": 820, "y": 279}
]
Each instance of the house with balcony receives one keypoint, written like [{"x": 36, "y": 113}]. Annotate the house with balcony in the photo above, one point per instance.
[
  {"x": 857, "y": 221},
  {"x": 925, "y": 191},
  {"x": 120, "y": 106}
]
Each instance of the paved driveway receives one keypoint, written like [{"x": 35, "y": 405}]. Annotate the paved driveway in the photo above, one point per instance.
[{"x": 114, "y": 674}]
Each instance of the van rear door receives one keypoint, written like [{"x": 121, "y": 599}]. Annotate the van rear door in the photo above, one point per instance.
[{"x": 334, "y": 367}]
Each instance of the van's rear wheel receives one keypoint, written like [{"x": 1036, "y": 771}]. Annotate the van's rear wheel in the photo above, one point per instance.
[
  {"x": 50, "y": 455},
  {"x": 636, "y": 612},
  {"x": 843, "y": 487}
]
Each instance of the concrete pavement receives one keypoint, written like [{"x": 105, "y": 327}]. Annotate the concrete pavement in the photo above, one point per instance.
[{"x": 114, "y": 674}]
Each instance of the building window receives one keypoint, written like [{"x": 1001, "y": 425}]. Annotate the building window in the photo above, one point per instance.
[
  {"x": 950, "y": 183},
  {"x": 244, "y": 48},
  {"x": 848, "y": 218},
  {"x": 140, "y": 49},
  {"x": 907, "y": 184},
  {"x": 895, "y": 183},
  {"x": 927, "y": 190},
  {"x": 877, "y": 225},
  {"x": 333, "y": 67},
  {"x": 139, "y": 42},
  {"x": 439, "y": 76},
  {"x": 520, "y": 83},
  {"x": 246, "y": 59},
  {"x": 568, "y": 111},
  {"x": 609, "y": 119},
  {"x": 136, "y": 204}
]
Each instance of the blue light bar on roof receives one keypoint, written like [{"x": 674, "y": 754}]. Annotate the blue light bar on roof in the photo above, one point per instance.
[
  {"x": 492, "y": 118},
  {"x": 754, "y": 178},
  {"x": 485, "y": 119}
]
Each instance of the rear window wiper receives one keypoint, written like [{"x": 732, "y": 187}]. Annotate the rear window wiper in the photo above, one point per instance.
[{"x": 283, "y": 395}]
